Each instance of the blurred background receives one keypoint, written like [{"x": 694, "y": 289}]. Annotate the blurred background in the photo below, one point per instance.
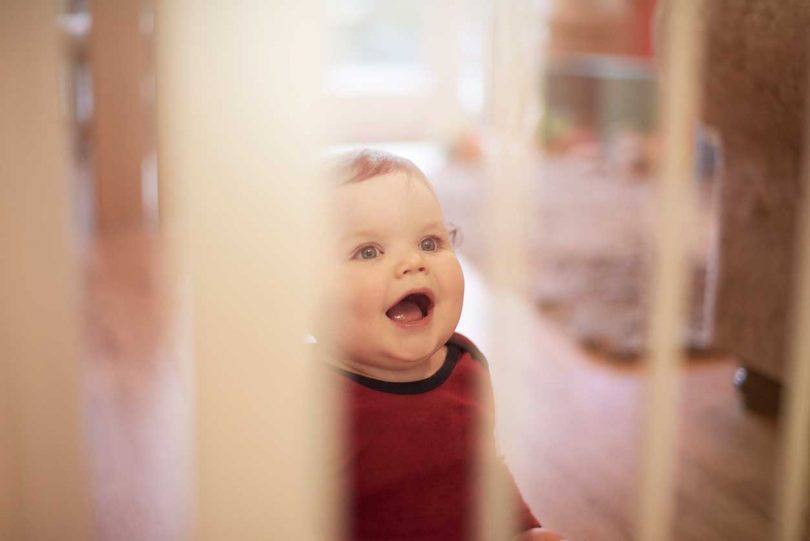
[{"x": 412, "y": 77}]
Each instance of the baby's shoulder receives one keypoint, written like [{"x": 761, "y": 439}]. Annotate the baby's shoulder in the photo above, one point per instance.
[{"x": 467, "y": 345}]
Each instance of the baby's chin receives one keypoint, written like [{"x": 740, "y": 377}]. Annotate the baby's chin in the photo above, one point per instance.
[
  {"x": 395, "y": 359},
  {"x": 393, "y": 363}
]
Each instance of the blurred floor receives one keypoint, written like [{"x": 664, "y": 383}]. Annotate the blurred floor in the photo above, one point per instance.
[
  {"x": 578, "y": 466},
  {"x": 581, "y": 461},
  {"x": 577, "y": 458}
]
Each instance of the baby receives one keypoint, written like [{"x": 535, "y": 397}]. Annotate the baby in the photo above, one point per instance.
[{"x": 412, "y": 384}]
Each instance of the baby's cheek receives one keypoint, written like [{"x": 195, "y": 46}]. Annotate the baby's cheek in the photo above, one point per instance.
[
  {"x": 362, "y": 303},
  {"x": 456, "y": 282}
]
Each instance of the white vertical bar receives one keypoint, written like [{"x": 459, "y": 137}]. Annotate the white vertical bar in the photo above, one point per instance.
[
  {"x": 43, "y": 483},
  {"x": 795, "y": 470},
  {"x": 679, "y": 105},
  {"x": 514, "y": 106},
  {"x": 239, "y": 83},
  {"x": 444, "y": 46}
]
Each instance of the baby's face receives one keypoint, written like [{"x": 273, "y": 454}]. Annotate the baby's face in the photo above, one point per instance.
[{"x": 401, "y": 286}]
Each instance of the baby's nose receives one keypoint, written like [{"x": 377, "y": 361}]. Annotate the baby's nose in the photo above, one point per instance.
[{"x": 413, "y": 263}]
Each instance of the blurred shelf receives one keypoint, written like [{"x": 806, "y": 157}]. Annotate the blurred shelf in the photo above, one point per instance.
[{"x": 599, "y": 66}]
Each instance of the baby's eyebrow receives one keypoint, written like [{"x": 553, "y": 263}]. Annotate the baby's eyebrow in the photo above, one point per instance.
[
  {"x": 365, "y": 234},
  {"x": 361, "y": 234},
  {"x": 435, "y": 225}
]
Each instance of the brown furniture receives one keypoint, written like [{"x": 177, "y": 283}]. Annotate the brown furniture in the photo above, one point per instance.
[{"x": 755, "y": 97}]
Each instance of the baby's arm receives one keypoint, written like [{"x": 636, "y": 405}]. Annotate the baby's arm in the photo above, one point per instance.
[{"x": 538, "y": 534}]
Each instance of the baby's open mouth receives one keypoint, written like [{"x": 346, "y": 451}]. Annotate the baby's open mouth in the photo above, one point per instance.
[{"x": 410, "y": 308}]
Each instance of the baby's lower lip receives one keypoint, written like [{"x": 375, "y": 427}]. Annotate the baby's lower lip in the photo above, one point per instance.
[{"x": 412, "y": 325}]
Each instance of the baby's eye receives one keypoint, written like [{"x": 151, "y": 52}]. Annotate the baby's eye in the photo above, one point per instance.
[
  {"x": 430, "y": 244},
  {"x": 367, "y": 252}
]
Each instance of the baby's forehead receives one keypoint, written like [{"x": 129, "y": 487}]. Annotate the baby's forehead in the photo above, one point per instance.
[
  {"x": 393, "y": 197},
  {"x": 400, "y": 185}
]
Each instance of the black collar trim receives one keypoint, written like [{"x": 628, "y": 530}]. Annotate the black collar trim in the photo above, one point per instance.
[{"x": 411, "y": 387}]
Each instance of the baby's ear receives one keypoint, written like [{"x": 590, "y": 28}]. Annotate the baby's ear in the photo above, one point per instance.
[{"x": 454, "y": 232}]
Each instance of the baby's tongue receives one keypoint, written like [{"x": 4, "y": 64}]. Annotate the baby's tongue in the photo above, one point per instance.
[{"x": 405, "y": 311}]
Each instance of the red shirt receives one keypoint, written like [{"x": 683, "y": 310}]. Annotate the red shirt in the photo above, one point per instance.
[{"x": 412, "y": 452}]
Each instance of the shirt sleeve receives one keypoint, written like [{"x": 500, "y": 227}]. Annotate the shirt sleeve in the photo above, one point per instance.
[{"x": 524, "y": 518}]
